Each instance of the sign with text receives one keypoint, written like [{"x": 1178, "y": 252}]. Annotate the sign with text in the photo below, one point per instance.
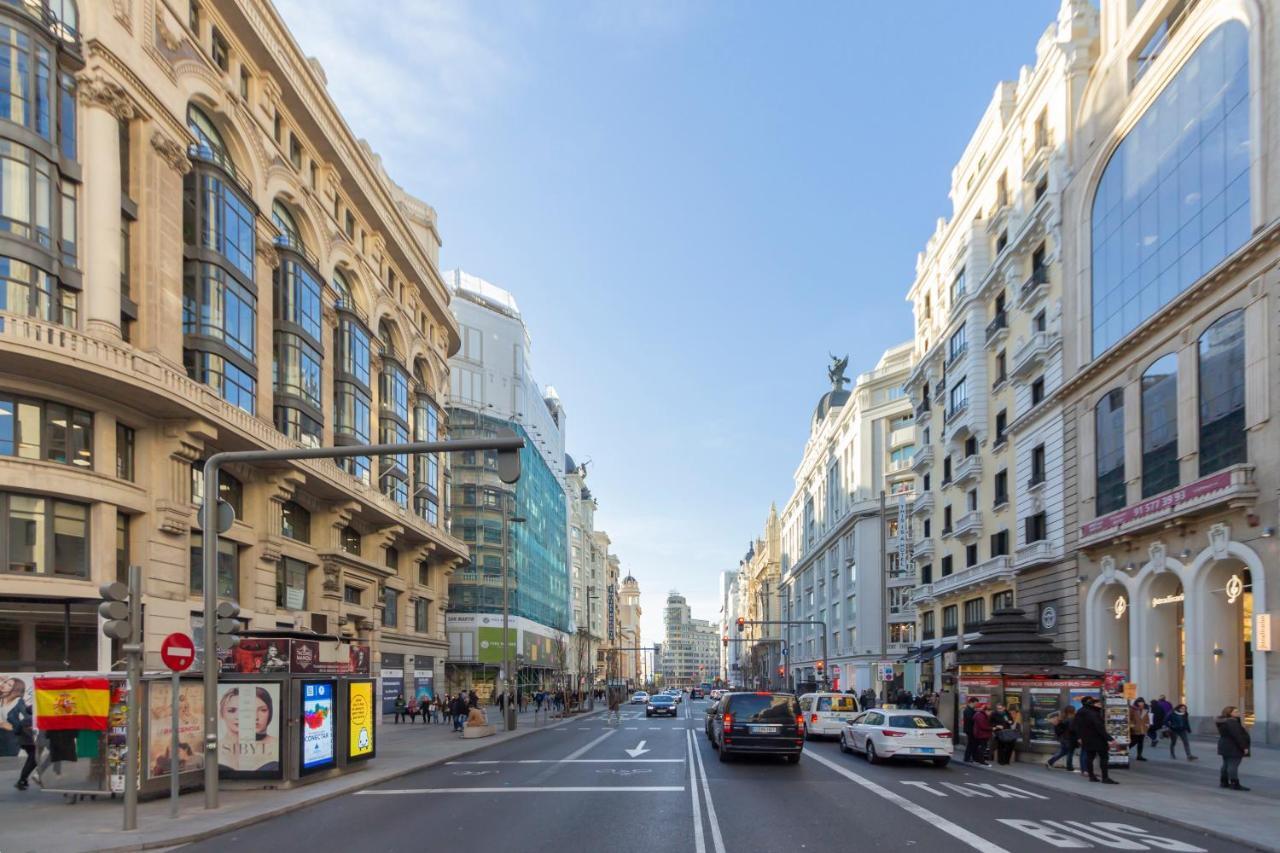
[
  {"x": 317, "y": 725},
  {"x": 1262, "y": 632},
  {"x": 249, "y": 730},
  {"x": 1159, "y": 503},
  {"x": 360, "y": 718}
]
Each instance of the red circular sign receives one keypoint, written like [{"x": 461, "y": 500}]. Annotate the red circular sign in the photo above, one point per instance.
[{"x": 178, "y": 652}]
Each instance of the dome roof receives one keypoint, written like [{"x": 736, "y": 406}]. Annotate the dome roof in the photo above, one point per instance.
[
  {"x": 569, "y": 464},
  {"x": 833, "y": 399}
]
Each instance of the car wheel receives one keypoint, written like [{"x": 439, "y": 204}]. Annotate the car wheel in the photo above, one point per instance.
[
  {"x": 941, "y": 762},
  {"x": 844, "y": 745},
  {"x": 791, "y": 759},
  {"x": 724, "y": 756},
  {"x": 647, "y": 714},
  {"x": 871, "y": 752}
]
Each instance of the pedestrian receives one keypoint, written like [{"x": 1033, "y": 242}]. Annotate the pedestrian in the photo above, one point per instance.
[
  {"x": 981, "y": 734},
  {"x": 1233, "y": 746},
  {"x": 1064, "y": 731},
  {"x": 411, "y": 709},
  {"x": 22, "y": 725},
  {"x": 1139, "y": 725},
  {"x": 1005, "y": 733},
  {"x": 400, "y": 707},
  {"x": 1178, "y": 727},
  {"x": 1092, "y": 730},
  {"x": 473, "y": 701},
  {"x": 521, "y": 701},
  {"x": 1160, "y": 711},
  {"x": 459, "y": 711},
  {"x": 970, "y": 708}
]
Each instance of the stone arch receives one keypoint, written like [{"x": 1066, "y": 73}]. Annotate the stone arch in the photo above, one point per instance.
[
  {"x": 1109, "y": 645},
  {"x": 394, "y": 333},
  {"x": 1155, "y": 630},
  {"x": 207, "y": 92},
  {"x": 300, "y": 215}
]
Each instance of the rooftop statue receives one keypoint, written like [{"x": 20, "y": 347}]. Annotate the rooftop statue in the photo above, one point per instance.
[{"x": 836, "y": 372}]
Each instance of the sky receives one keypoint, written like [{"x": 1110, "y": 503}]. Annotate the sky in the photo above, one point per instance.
[{"x": 693, "y": 203}]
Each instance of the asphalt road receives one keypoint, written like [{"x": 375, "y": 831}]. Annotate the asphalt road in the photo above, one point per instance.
[{"x": 656, "y": 784}]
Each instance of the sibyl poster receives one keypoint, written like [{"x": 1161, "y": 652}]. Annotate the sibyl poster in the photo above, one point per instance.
[
  {"x": 317, "y": 725},
  {"x": 249, "y": 731}
]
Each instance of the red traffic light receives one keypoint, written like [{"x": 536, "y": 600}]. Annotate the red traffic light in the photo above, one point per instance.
[
  {"x": 725, "y": 641},
  {"x": 742, "y": 623},
  {"x": 781, "y": 670},
  {"x": 820, "y": 666}
]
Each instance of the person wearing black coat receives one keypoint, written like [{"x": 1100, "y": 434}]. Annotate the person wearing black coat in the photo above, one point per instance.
[
  {"x": 22, "y": 724},
  {"x": 1233, "y": 746},
  {"x": 1092, "y": 731},
  {"x": 970, "y": 746}
]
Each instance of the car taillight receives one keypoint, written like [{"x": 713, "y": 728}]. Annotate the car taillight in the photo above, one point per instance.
[
  {"x": 813, "y": 718},
  {"x": 943, "y": 734},
  {"x": 728, "y": 722},
  {"x": 800, "y": 720},
  {"x": 892, "y": 733}
]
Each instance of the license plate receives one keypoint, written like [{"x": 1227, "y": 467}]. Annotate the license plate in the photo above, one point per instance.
[
  {"x": 925, "y": 749},
  {"x": 764, "y": 730}
]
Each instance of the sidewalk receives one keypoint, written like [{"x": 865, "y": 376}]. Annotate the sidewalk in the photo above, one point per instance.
[
  {"x": 35, "y": 820},
  {"x": 1182, "y": 792}
]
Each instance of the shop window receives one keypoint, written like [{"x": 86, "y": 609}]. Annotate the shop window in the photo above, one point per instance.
[{"x": 1222, "y": 431}]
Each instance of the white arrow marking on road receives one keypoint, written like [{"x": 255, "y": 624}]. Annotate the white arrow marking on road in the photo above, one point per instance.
[{"x": 638, "y": 751}]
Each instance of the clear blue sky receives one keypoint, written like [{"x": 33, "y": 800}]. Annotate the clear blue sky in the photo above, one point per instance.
[{"x": 693, "y": 202}]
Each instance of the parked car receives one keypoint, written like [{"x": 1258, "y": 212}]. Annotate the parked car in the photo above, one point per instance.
[
  {"x": 826, "y": 713},
  {"x": 640, "y": 698},
  {"x": 760, "y": 723},
  {"x": 659, "y": 705},
  {"x": 881, "y": 734}
]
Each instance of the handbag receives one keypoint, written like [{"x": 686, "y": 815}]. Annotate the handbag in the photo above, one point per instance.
[{"x": 1007, "y": 736}]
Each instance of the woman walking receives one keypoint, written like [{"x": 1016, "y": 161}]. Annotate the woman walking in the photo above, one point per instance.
[
  {"x": 1065, "y": 732},
  {"x": 1139, "y": 725},
  {"x": 1178, "y": 724},
  {"x": 1233, "y": 746}
]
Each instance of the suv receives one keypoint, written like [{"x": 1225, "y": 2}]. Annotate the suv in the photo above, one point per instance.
[{"x": 765, "y": 723}]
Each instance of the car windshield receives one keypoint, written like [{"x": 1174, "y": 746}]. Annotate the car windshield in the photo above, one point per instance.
[
  {"x": 661, "y": 700},
  {"x": 763, "y": 708},
  {"x": 914, "y": 721}
]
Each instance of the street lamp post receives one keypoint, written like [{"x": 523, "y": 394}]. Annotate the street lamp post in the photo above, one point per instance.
[{"x": 508, "y": 709}]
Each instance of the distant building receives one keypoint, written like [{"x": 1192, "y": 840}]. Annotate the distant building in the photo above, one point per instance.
[
  {"x": 689, "y": 655},
  {"x": 632, "y": 663}
]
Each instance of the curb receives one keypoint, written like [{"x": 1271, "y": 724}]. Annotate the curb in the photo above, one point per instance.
[
  {"x": 359, "y": 785},
  {"x": 1251, "y": 843}
]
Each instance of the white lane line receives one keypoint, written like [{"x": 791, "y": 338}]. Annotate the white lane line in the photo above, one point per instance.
[
  {"x": 699, "y": 844},
  {"x": 977, "y": 842},
  {"x": 576, "y": 761},
  {"x": 706, "y": 793},
  {"x": 578, "y": 789},
  {"x": 578, "y": 753}
]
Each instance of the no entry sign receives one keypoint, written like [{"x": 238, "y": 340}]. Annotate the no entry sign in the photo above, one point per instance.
[{"x": 177, "y": 651}]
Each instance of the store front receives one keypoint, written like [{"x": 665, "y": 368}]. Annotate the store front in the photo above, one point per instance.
[
  {"x": 47, "y": 634},
  {"x": 1184, "y": 626}
]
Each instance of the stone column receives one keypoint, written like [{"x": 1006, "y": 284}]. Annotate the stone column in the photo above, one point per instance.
[
  {"x": 105, "y": 104},
  {"x": 158, "y": 239},
  {"x": 268, "y": 259},
  {"x": 328, "y": 338}
]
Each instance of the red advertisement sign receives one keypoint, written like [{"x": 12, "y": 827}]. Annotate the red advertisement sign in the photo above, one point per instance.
[
  {"x": 1053, "y": 682},
  {"x": 1159, "y": 503}
]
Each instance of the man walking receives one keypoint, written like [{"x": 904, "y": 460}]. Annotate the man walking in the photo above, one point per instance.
[
  {"x": 970, "y": 708},
  {"x": 1095, "y": 740}
]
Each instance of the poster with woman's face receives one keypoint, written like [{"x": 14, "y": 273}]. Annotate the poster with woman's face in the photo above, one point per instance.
[
  {"x": 160, "y": 727},
  {"x": 249, "y": 731},
  {"x": 14, "y": 688}
]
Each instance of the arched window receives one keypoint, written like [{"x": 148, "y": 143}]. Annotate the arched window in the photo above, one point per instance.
[
  {"x": 393, "y": 417},
  {"x": 352, "y": 383},
  {"x": 426, "y": 466},
  {"x": 283, "y": 219},
  {"x": 1109, "y": 433},
  {"x": 1160, "y": 426},
  {"x": 206, "y": 132},
  {"x": 1173, "y": 200},
  {"x": 1222, "y": 434}
]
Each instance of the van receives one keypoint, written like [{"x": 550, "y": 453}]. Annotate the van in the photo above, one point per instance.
[{"x": 826, "y": 713}]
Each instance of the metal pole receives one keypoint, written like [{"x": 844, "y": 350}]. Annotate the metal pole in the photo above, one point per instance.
[
  {"x": 209, "y": 557},
  {"x": 884, "y": 595},
  {"x": 133, "y": 714},
  {"x": 173, "y": 752},
  {"x": 506, "y": 637}
]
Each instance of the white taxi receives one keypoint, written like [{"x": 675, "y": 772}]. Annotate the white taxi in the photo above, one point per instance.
[
  {"x": 825, "y": 714},
  {"x": 884, "y": 733}
]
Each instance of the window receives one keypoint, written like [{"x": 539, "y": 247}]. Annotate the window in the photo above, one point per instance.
[
  {"x": 1155, "y": 45},
  {"x": 1036, "y": 528},
  {"x": 1160, "y": 426},
  {"x": 390, "y": 607},
  {"x": 43, "y": 536},
  {"x": 956, "y": 346},
  {"x": 927, "y": 527},
  {"x": 393, "y": 424},
  {"x": 124, "y": 447},
  {"x": 1039, "y": 323},
  {"x": 950, "y": 624},
  {"x": 946, "y": 469},
  {"x": 295, "y": 151},
  {"x": 1001, "y": 600},
  {"x": 1037, "y": 465},
  {"x": 959, "y": 395},
  {"x": 971, "y": 446},
  {"x": 230, "y": 489},
  {"x": 1002, "y": 368},
  {"x": 295, "y": 522},
  {"x": 1109, "y": 451},
  {"x": 970, "y": 555},
  {"x": 971, "y": 500},
  {"x": 1002, "y": 190},
  {"x": 391, "y": 559},
  {"x": 349, "y": 225},
  {"x": 244, "y": 83},
  {"x": 1174, "y": 198},
  {"x": 351, "y": 541},
  {"x": 926, "y": 483},
  {"x": 352, "y": 594},
  {"x": 957, "y": 287},
  {"x": 946, "y": 520},
  {"x": 219, "y": 51},
  {"x": 217, "y": 307},
  {"x": 1042, "y": 187},
  {"x": 1002, "y": 487},
  {"x": 426, "y": 466},
  {"x": 946, "y": 565},
  {"x": 1002, "y": 241},
  {"x": 277, "y": 128},
  {"x": 1222, "y": 432},
  {"x": 352, "y": 396},
  {"x": 291, "y": 584},
  {"x": 926, "y": 573},
  {"x": 975, "y": 613},
  {"x": 53, "y": 432},
  {"x": 1000, "y": 543},
  {"x": 1037, "y": 391},
  {"x": 421, "y": 612},
  {"x": 928, "y": 625},
  {"x": 228, "y": 568},
  {"x": 123, "y": 549},
  {"x": 424, "y": 573},
  {"x": 1040, "y": 134},
  {"x": 1002, "y": 426}
]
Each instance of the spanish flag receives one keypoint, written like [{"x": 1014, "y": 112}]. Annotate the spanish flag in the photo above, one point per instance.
[{"x": 65, "y": 704}]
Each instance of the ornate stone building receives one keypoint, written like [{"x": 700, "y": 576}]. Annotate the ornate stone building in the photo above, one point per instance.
[{"x": 201, "y": 256}]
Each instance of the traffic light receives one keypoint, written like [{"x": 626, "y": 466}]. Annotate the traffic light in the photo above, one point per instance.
[
  {"x": 820, "y": 665},
  {"x": 742, "y": 623},
  {"x": 725, "y": 640},
  {"x": 781, "y": 670},
  {"x": 115, "y": 610},
  {"x": 508, "y": 460},
  {"x": 227, "y": 626}
]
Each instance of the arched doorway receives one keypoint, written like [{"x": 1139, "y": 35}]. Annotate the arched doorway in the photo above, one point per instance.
[
  {"x": 1113, "y": 627},
  {"x": 1165, "y": 636},
  {"x": 1223, "y": 657}
]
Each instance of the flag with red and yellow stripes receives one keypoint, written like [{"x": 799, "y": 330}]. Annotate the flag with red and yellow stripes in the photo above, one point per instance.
[{"x": 77, "y": 702}]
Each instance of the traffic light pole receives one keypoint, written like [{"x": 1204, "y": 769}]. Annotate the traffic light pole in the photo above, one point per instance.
[
  {"x": 507, "y": 443},
  {"x": 789, "y": 622},
  {"x": 133, "y": 712}
]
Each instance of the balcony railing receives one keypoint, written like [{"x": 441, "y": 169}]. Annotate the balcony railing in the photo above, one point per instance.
[
  {"x": 1038, "y": 278},
  {"x": 922, "y": 549},
  {"x": 923, "y": 457},
  {"x": 969, "y": 524},
  {"x": 290, "y": 242},
  {"x": 923, "y": 505},
  {"x": 922, "y": 409},
  {"x": 997, "y": 568},
  {"x": 969, "y": 468},
  {"x": 997, "y": 328},
  {"x": 957, "y": 353},
  {"x": 219, "y": 158},
  {"x": 957, "y": 410},
  {"x": 1035, "y": 553},
  {"x": 1033, "y": 352}
]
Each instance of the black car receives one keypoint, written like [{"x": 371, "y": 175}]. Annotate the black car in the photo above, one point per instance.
[
  {"x": 757, "y": 723},
  {"x": 710, "y": 719},
  {"x": 660, "y": 703}
]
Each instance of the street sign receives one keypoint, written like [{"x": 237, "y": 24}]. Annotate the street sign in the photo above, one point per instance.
[
  {"x": 1262, "y": 632},
  {"x": 177, "y": 651}
]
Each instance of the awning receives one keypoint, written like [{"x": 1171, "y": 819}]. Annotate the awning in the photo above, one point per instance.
[{"x": 929, "y": 654}]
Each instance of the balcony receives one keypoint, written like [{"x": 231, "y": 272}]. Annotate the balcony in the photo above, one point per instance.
[
  {"x": 969, "y": 468},
  {"x": 1034, "y": 554},
  {"x": 922, "y": 594},
  {"x": 997, "y": 329},
  {"x": 922, "y": 549},
  {"x": 956, "y": 411},
  {"x": 923, "y": 458},
  {"x": 955, "y": 355},
  {"x": 923, "y": 505},
  {"x": 1034, "y": 287},
  {"x": 993, "y": 570},
  {"x": 1036, "y": 155},
  {"x": 1233, "y": 486},
  {"x": 1033, "y": 353},
  {"x": 960, "y": 422},
  {"x": 898, "y": 466},
  {"x": 969, "y": 525},
  {"x": 902, "y": 436},
  {"x": 922, "y": 410}
]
